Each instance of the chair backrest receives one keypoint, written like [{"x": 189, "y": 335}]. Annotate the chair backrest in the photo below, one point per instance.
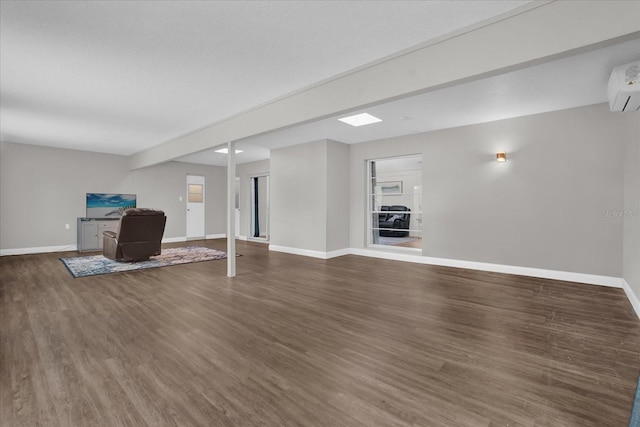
[
  {"x": 382, "y": 217},
  {"x": 396, "y": 209},
  {"x": 141, "y": 225}
]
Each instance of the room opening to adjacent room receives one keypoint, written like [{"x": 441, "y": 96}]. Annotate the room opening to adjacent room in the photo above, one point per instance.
[
  {"x": 259, "y": 227},
  {"x": 394, "y": 193}
]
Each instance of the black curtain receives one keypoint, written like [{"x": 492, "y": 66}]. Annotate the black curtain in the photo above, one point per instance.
[{"x": 256, "y": 218}]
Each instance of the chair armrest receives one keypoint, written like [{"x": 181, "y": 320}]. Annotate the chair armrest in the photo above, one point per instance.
[
  {"x": 109, "y": 234},
  {"x": 400, "y": 223}
]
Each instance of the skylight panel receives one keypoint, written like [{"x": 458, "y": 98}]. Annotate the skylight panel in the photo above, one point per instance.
[{"x": 360, "y": 119}]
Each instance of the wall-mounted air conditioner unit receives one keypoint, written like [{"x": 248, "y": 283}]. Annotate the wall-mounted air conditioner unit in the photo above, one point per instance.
[{"x": 624, "y": 87}]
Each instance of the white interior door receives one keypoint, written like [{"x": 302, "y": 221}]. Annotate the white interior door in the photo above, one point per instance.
[{"x": 195, "y": 207}]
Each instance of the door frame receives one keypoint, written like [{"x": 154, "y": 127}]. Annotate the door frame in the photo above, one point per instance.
[{"x": 204, "y": 211}]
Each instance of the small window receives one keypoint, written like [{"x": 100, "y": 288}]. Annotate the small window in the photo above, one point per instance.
[{"x": 195, "y": 193}]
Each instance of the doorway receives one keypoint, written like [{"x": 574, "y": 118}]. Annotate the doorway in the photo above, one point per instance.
[
  {"x": 394, "y": 214},
  {"x": 259, "y": 207},
  {"x": 195, "y": 207}
]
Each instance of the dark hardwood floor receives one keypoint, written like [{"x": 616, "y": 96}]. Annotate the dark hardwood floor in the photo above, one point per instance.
[{"x": 295, "y": 341}]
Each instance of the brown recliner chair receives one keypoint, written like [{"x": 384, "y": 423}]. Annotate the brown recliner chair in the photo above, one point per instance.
[{"x": 139, "y": 235}]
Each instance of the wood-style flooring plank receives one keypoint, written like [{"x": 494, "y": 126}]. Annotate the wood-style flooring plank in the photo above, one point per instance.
[{"x": 296, "y": 341}]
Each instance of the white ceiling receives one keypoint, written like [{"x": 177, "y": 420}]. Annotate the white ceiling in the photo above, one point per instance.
[
  {"x": 121, "y": 77},
  {"x": 570, "y": 82}
]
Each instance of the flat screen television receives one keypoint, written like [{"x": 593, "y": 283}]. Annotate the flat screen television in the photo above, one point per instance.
[{"x": 106, "y": 205}]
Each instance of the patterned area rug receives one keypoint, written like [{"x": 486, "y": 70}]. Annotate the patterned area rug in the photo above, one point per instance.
[{"x": 97, "y": 264}]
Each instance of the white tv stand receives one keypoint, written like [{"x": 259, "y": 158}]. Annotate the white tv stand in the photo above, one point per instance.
[{"x": 90, "y": 232}]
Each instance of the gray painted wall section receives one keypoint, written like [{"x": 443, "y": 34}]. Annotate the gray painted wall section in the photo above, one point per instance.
[
  {"x": 543, "y": 208},
  {"x": 310, "y": 196},
  {"x": 337, "y": 206},
  {"x": 43, "y": 189},
  {"x": 546, "y": 207},
  {"x": 299, "y": 195},
  {"x": 162, "y": 185},
  {"x": 631, "y": 243}
]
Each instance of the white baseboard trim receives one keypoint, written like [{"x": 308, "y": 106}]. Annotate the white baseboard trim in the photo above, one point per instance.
[
  {"x": 216, "y": 236},
  {"x": 185, "y": 239},
  {"x": 257, "y": 240},
  {"x": 310, "y": 253},
  {"x": 38, "y": 250},
  {"x": 338, "y": 252},
  {"x": 296, "y": 251},
  {"x": 591, "y": 279},
  {"x": 224, "y": 236},
  {"x": 174, "y": 239},
  {"x": 633, "y": 298}
]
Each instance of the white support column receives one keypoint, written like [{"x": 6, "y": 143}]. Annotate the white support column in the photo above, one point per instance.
[{"x": 231, "y": 209}]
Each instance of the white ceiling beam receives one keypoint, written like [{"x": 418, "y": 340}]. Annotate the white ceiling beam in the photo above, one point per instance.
[{"x": 539, "y": 33}]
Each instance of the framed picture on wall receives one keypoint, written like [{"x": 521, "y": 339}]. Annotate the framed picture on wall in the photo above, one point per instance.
[{"x": 389, "y": 188}]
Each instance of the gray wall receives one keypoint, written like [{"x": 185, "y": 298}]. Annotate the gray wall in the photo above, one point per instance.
[
  {"x": 543, "y": 208},
  {"x": 162, "y": 185},
  {"x": 42, "y": 189},
  {"x": 244, "y": 172},
  {"x": 546, "y": 207},
  {"x": 310, "y": 196},
  {"x": 298, "y": 196},
  {"x": 631, "y": 243},
  {"x": 337, "y": 206}
]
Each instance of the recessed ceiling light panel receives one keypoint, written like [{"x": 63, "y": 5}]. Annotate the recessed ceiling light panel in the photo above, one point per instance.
[
  {"x": 226, "y": 150},
  {"x": 360, "y": 119}
]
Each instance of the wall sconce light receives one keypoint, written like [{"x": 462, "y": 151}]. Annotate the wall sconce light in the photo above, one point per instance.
[{"x": 501, "y": 156}]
